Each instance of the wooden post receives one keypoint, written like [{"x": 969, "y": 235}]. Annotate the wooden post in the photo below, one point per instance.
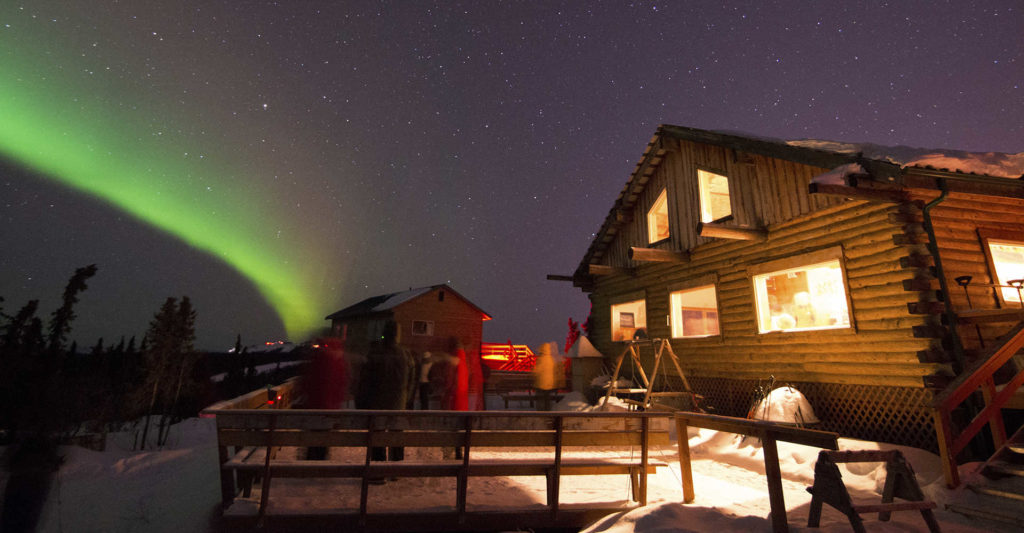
[
  {"x": 720, "y": 231},
  {"x": 265, "y": 488},
  {"x": 656, "y": 255},
  {"x": 462, "y": 487},
  {"x": 774, "y": 474},
  {"x": 685, "y": 469},
  {"x": 644, "y": 443},
  {"x": 227, "y": 478},
  {"x": 558, "y": 467},
  {"x": 988, "y": 391},
  {"x": 944, "y": 428}
]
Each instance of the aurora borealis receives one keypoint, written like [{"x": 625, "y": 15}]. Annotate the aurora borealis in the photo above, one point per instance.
[{"x": 324, "y": 152}]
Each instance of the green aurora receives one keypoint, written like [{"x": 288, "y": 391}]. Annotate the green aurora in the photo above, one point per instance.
[{"x": 109, "y": 152}]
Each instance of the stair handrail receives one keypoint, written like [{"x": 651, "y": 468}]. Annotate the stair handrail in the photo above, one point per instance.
[{"x": 978, "y": 375}]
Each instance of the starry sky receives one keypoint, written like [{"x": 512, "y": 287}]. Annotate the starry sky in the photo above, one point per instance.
[{"x": 278, "y": 161}]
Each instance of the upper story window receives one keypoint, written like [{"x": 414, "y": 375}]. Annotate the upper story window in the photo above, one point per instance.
[
  {"x": 714, "y": 196},
  {"x": 423, "y": 327},
  {"x": 657, "y": 219},
  {"x": 1008, "y": 264},
  {"x": 694, "y": 312},
  {"x": 802, "y": 293},
  {"x": 628, "y": 318}
]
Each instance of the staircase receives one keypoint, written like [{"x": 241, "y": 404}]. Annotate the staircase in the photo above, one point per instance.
[{"x": 1000, "y": 486}]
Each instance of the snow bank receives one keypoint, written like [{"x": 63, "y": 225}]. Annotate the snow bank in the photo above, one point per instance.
[{"x": 785, "y": 404}]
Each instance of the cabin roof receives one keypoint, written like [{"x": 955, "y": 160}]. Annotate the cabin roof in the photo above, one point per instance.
[
  {"x": 890, "y": 165},
  {"x": 386, "y": 302}
]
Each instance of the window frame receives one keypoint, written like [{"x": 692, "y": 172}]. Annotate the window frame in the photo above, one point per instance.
[
  {"x": 695, "y": 283},
  {"x": 814, "y": 257},
  {"x": 1004, "y": 235},
  {"x": 429, "y": 326},
  {"x": 627, "y": 298},
  {"x": 700, "y": 194},
  {"x": 661, "y": 201}
]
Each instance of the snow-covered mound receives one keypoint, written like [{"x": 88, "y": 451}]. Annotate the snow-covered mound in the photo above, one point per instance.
[{"x": 784, "y": 404}]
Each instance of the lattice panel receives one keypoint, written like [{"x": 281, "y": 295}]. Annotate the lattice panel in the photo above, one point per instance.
[{"x": 897, "y": 415}]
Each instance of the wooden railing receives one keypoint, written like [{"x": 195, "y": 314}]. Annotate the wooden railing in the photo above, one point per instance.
[
  {"x": 769, "y": 433},
  {"x": 978, "y": 375},
  {"x": 280, "y": 396}
]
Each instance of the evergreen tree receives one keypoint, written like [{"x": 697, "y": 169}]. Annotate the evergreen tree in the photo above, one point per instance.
[
  {"x": 60, "y": 322},
  {"x": 158, "y": 357}
]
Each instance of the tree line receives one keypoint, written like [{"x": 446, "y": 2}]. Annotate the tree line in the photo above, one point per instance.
[{"x": 53, "y": 394}]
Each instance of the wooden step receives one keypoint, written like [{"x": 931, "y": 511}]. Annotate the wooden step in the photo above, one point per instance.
[
  {"x": 894, "y": 506},
  {"x": 998, "y": 492},
  {"x": 999, "y": 513},
  {"x": 1003, "y": 468}
]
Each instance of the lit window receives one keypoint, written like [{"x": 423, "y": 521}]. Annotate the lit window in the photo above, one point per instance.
[
  {"x": 627, "y": 319},
  {"x": 694, "y": 312},
  {"x": 1008, "y": 260},
  {"x": 657, "y": 219},
  {"x": 714, "y": 196},
  {"x": 803, "y": 298},
  {"x": 422, "y": 327}
]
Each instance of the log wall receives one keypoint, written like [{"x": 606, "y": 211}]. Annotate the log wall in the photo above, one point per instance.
[
  {"x": 959, "y": 222},
  {"x": 872, "y": 376}
]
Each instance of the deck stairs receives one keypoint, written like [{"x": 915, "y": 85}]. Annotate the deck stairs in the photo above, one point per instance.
[{"x": 998, "y": 486}]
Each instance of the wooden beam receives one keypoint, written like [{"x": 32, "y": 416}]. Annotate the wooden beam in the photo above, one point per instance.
[
  {"x": 721, "y": 231},
  {"x": 605, "y": 270},
  {"x": 859, "y": 193},
  {"x": 557, "y": 277},
  {"x": 658, "y": 256}
]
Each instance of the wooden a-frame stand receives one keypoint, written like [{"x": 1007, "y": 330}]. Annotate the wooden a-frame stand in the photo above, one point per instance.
[
  {"x": 899, "y": 482},
  {"x": 649, "y": 393}
]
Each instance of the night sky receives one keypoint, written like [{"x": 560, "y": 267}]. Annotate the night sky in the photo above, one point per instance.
[{"x": 279, "y": 161}]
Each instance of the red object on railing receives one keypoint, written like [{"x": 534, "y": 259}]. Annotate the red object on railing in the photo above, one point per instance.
[
  {"x": 507, "y": 356},
  {"x": 978, "y": 375}
]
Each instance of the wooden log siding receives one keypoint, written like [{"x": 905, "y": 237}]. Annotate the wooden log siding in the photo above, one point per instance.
[
  {"x": 748, "y": 183},
  {"x": 881, "y": 350},
  {"x": 956, "y": 221}
]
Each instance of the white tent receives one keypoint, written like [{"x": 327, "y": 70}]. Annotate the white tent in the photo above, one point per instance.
[{"x": 583, "y": 348}]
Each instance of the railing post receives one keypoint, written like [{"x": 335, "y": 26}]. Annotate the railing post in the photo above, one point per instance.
[
  {"x": 947, "y": 456},
  {"x": 988, "y": 391},
  {"x": 683, "y": 447}
]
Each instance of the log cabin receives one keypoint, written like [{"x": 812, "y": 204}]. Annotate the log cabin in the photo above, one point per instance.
[
  {"x": 867, "y": 284},
  {"x": 427, "y": 317}
]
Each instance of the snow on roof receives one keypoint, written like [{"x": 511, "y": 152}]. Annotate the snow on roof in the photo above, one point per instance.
[
  {"x": 398, "y": 298},
  {"x": 987, "y": 163}
]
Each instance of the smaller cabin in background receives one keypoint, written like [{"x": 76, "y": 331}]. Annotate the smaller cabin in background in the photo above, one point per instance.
[{"x": 427, "y": 318}]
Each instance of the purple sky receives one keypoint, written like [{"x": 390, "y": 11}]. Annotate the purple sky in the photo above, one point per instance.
[{"x": 475, "y": 143}]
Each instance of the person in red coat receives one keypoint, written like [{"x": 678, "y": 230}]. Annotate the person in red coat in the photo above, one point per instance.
[
  {"x": 461, "y": 377},
  {"x": 326, "y": 382}
]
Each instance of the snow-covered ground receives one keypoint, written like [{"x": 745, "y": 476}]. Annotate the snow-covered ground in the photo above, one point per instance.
[{"x": 177, "y": 489}]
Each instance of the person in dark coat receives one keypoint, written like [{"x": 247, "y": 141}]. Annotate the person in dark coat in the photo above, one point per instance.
[{"x": 388, "y": 377}]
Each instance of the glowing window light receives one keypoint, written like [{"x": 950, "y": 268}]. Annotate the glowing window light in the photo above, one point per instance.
[
  {"x": 1008, "y": 260},
  {"x": 809, "y": 297},
  {"x": 694, "y": 312},
  {"x": 714, "y": 196},
  {"x": 657, "y": 219},
  {"x": 627, "y": 319}
]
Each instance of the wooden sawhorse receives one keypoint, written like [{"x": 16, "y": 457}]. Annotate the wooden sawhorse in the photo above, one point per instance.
[{"x": 899, "y": 482}]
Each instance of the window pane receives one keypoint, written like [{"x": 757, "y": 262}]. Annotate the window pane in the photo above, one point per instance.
[
  {"x": 694, "y": 312},
  {"x": 657, "y": 219},
  {"x": 627, "y": 319},
  {"x": 810, "y": 297},
  {"x": 714, "y": 196},
  {"x": 1008, "y": 258}
]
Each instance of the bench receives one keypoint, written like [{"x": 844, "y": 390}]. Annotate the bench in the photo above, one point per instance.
[
  {"x": 249, "y": 442},
  {"x": 528, "y": 397}
]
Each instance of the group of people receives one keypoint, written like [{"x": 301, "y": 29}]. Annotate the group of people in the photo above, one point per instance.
[{"x": 392, "y": 377}]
